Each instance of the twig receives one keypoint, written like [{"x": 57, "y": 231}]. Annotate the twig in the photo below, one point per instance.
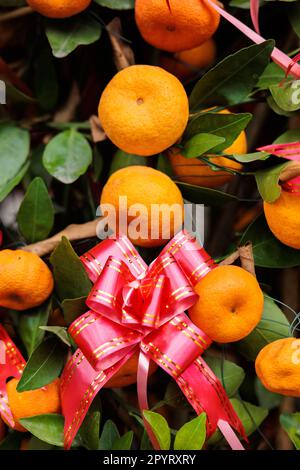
[{"x": 11, "y": 15}]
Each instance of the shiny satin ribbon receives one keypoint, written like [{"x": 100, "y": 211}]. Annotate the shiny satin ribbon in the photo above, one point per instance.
[
  {"x": 289, "y": 150},
  {"x": 136, "y": 308},
  {"x": 12, "y": 364},
  {"x": 292, "y": 186},
  {"x": 279, "y": 57}
]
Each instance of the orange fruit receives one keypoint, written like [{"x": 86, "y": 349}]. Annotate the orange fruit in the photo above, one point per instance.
[
  {"x": 25, "y": 280},
  {"x": 59, "y": 8},
  {"x": 34, "y": 402},
  {"x": 186, "y": 24},
  {"x": 278, "y": 367},
  {"x": 186, "y": 64},
  {"x": 144, "y": 110},
  {"x": 2, "y": 430},
  {"x": 230, "y": 304},
  {"x": 199, "y": 173},
  {"x": 283, "y": 218},
  {"x": 127, "y": 375},
  {"x": 143, "y": 187}
]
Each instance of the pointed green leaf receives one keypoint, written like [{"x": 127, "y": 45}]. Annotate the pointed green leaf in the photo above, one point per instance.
[
  {"x": 232, "y": 79},
  {"x": 71, "y": 280},
  {"x": 200, "y": 144},
  {"x": 122, "y": 159},
  {"x": 268, "y": 182},
  {"x": 29, "y": 326},
  {"x": 36, "y": 214},
  {"x": 44, "y": 365},
  {"x": 116, "y": 4},
  {"x": 48, "y": 428},
  {"x": 159, "y": 427},
  {"x": 109, "y": 435},
  {"x": 124, "y": 442},
  {"x": 65, "y": 36},
  {"x": 192, "y": 435},
  {"x": 59, "y": 331}
]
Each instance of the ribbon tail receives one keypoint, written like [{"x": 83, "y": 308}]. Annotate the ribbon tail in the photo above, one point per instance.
[
  {"x": 142, "y": 379},
  {"x": 254, "y": 11},
  {"x": 230, "y": 435},
  {"x": 281, "y": 59},
  {"x": 80, "y": 383},
  {"x": 12, "y": 364}
]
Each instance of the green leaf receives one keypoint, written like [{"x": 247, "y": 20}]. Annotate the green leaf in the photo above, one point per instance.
[
  {"x": 71, "y": 280},
  {"x": 59, "y": 331},
  {"x": 45, "y": 80},
  {"x": 109, "y": 435},
  {"x": 200, "y": 144},
  {"x": 160, "y": 428},
  {"x": 287, "y": 96},
  {"x": 14, "y": 145},
  {"x": 266, "y": 399},
  {"x": 230, "y": 374},
  {"x": 48, "y": 428},
  {"x": 201, "y": 195},
  {"x": 124, "y": 442},
  {"x": 272, "y": 326},
  {"x": 43, "y": 366},
  {"x": 267, "y": 181},
  {"x": 291, "y": 424},
  {"x": 36, "y": 444},
  {"x": 292, "y": 135},
  {"x": 36, "y": 214},
  {"x": 67, "y": 156},
  {"x": 272, "y": 75},
  {"x": 29, "y": 326},
  {"x": 11, "y": 184},
  {"x": 192, "y": 435},
  {"x": 250, "y": 415},
  {"x": 251, "y": 157},
  {"x": 122, "y": 160},
  {"x": 268, "y": 251},
  {"x": 65, "y": 36},
  {"x": 232, "y": 79},
  {"x": 90, "y": 429},
  {"x": 116, "y": 4},
  {"x": 228, "y": 126},
  {"x": 73, "y": 308}
]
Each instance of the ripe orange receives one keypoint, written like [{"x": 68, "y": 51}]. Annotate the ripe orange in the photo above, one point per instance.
[
  {"x": 278, "y": 366},
  {"x": 144, "y": 186},
  {"x": 230, "y": 304},
  {"x": 187, "y": 24},
  {"x": 59, "y": 8},
  {"x": 283, "y": 218},
  {"x": 144, "y": 110},
  {"x": 186, "y": 64},
  {"x": 34, "y": 402},
  {"x": 127, "y": 375},
  {"x": 197, "y": 172},
  {"x": 2, "y": 430},
  {"x": 25, "y": 280}
]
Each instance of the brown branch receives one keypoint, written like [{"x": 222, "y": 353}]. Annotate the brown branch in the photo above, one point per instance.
[
  {"x": 12, "y": 15},
  {"x": 72, "y": 232}
]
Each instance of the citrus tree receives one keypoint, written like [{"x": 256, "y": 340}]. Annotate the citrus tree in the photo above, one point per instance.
[{"x": 125, "y": 121}]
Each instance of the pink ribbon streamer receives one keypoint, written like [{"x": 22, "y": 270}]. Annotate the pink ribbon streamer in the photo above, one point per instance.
[
  {"x": 290, "y": 150},
  {"x": 139, "y": 308},
  {"x": 283, "y": 60},
  {"x": 254, "y": 11}
]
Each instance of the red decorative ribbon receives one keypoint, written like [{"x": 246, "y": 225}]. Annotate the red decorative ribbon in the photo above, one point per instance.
[
  {"x": 292, "y": 186},
  {"x": 12, "y": 364},
  {"x": 290, "y": 150},
  {"x": 283, "y": 60},
  {"x": 134, "y": 307}
]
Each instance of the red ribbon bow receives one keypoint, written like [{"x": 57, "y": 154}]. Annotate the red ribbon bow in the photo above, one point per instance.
[
  {"x": 134, "y": 307},
  {"x": 12, "y": 364}
]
